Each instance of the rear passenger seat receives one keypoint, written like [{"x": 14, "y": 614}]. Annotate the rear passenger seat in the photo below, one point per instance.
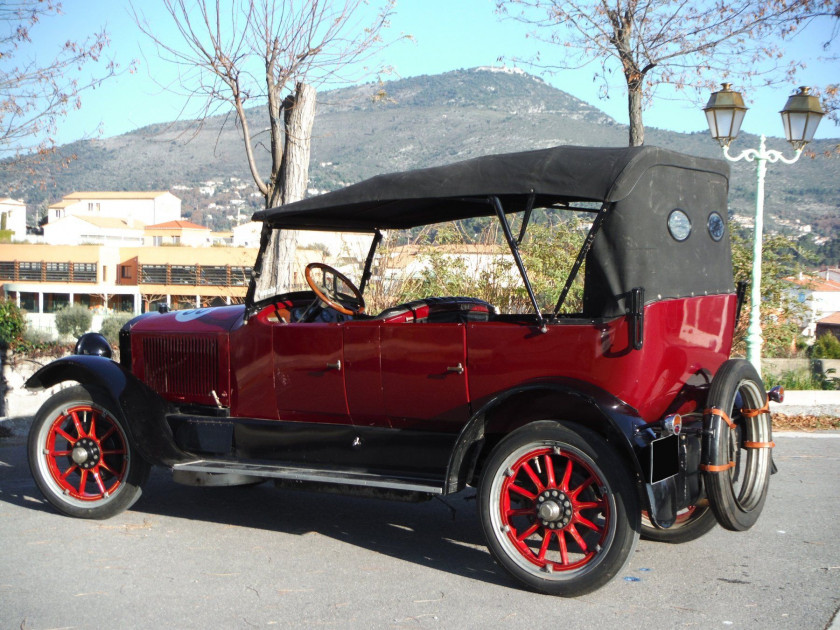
[{"x": 440, "y": 310}]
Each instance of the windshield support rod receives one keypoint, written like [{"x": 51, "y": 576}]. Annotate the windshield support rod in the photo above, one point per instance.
[
  {"x": 377, "y": 238},
  {"x": 526, "y": 218},
  {"x": 514, "y": 249},
  {"x": 256, "y": 272},
  {"x": 584, "y": 250}
]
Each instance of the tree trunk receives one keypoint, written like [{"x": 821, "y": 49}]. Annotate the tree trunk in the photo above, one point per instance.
[
  {"x": 634, "y": 104},
  {"x": 299, "y": 114}
]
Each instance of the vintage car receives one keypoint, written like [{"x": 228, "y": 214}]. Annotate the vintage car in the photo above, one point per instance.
[{"x": 579, "y": 430}]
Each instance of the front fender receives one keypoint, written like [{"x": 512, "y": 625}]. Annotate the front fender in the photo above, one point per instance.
[{"x": 143, "y": 410}]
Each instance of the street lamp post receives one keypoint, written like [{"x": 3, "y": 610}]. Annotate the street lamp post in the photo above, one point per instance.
[{"x": 725, "y": 112}]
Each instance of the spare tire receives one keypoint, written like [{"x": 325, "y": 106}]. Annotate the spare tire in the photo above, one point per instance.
[{"x": 737, "y": 438}]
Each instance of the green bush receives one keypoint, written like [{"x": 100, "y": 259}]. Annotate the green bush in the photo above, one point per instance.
[
  {"x": 73, "y": 320},
  {"x": 111, "y": 326},
  {"x": 12, "y": 323},
  {"x": 803, "y": 380},
  {"x": 826, "y": 347}
]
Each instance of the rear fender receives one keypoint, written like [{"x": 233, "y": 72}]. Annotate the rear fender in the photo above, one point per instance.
[
  {"x": 142, "y": 409},
  {"x": 569, "y": 401}
]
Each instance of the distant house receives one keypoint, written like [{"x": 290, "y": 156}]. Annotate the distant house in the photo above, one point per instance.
[
  {"x": 829, "y": 325},
  {"x": 822, "y": 295},
  {"x": 85, "y": 229},
  {"x": 13, "y": 217},
  {"x": 178, "y": 233},
  {"x": 247, "y": 234},
  {"x": 147, "y": 207}
]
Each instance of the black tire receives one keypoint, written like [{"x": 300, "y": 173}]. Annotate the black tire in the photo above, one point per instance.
[
  {"x": 573, "y": 520},
  {"x": 737, "y": 494},
  {"x": 691, "y": 524},
  {"x": 81, "y": 456}
]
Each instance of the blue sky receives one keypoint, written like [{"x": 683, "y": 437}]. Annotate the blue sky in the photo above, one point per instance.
[{"x": 447, "y": 35}]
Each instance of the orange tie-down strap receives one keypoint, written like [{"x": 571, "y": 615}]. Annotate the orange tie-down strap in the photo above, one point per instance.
[
  {"x": 716, "y": 468},
  {"x": 719, "y": 412},
  {"x": 759, "y": 444},
  {"x": 752, "y": 413}
]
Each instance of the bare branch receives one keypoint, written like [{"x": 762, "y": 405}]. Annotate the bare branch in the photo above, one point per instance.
[{"x": 668, "y": 42}]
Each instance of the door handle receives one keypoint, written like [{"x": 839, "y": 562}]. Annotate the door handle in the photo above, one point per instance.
[
  {"x": 456, "y": 369},
  {"x": 334, "y": 366}
]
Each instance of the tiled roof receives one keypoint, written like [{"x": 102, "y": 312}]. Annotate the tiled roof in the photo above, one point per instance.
[
  {"x": 834, "y": 318},
  {"x": 116, "y": 194},
  {"x": 63, "y": 203},
  {"x": 177, "y": 225},
  {"x": 109, "y": 223},
  {"x": 816, "y": 284}
]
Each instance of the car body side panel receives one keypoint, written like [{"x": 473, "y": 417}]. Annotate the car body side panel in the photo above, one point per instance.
[
  {"x": 363, "y": 373},
  {"x": 681, "y": 338},
  {"x": 252, "y": 371}
]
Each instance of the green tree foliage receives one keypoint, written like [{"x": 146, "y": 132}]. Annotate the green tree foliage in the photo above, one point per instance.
[
  {"x": 782, "y": 314},
  {"x": 827, "y": 346},
  {"x": 472, "y": 259},
  {"x": 112, "y": 324},
  {"x": 73, "y": 320},
  {"x": 12, "y": 324}
]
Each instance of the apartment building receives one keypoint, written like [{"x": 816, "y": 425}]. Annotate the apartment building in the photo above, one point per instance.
[
  {"x": 143, "y": 207},
  {"x": 44, "y": 278}
]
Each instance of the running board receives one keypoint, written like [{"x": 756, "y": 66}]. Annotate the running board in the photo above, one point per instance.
[{"x": 344, "y": 477}]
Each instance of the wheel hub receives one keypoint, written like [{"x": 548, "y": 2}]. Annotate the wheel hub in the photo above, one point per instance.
[
  {"x": 554, "y": 509},
  {"x": 86, "y": 453}
]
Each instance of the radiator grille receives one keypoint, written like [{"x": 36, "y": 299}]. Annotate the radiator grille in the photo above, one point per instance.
[{"x": 182, "y": 367}]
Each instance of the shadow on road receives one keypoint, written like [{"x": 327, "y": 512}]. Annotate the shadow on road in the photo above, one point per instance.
[{"x": 440, "y": 534}]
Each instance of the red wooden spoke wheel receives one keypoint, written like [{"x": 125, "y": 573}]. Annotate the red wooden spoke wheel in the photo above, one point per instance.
[
  {"x": 81, "y": 456},
  {"x": 553, "y": 510},
  {"x": 86, "y": 453},
  {"x": 558, "y": 509},
  {"x": 690, "y": 524}
]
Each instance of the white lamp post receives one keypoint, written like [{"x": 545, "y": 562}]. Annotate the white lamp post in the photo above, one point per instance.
[{"x": 725, "y": 113}]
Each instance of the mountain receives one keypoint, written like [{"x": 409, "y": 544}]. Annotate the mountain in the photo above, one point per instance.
[{"x": 421, "y": 121}]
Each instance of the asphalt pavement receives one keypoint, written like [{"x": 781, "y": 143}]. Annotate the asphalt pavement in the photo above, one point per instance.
[{"x": 259, "y": 557}]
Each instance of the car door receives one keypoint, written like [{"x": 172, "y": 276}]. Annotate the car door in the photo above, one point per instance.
[
  {"x": 309, "y": 372},
  {"x": 424, "y": 377}
]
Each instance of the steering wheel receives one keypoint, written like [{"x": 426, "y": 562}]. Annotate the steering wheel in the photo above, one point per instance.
[{"x": 328, "y": 289}]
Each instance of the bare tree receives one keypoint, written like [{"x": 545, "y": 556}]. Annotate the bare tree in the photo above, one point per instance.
[
  {"x": 36, "y": 94},
  {"x": 666, "y": 42},
  {"x": 236, "y": 53}
]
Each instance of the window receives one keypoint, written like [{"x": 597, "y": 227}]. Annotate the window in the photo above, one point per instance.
[
  {"x": 214, "y": 276},
  {"x": 84, "y": 272},
  {"x": 153, "y": 274},
  {"x": 125, "y": 272},
  {"x": 58, "y": 272},
  {"x": 182, "y": 274},
  {"x": 7, "y": 270},
  {"x": 240, "y": 276},
  {"x": 29, "y": 271}
]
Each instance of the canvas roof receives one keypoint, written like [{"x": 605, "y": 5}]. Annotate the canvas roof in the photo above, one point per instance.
[{"x": 460, "y": 190}]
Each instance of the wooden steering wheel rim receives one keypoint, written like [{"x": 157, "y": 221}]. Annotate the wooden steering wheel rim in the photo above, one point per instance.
[{"x": 324, "y": 298}]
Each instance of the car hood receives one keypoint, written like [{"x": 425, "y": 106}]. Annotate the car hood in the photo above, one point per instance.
[{"x": 197, "y": 320}]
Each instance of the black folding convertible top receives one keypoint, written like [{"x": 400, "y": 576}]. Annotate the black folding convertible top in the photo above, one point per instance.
[
  {"x": 639, "y": 189},
  {"x": 446, "y": 193}
]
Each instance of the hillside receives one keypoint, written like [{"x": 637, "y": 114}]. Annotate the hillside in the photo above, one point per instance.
[{"x": 420, "y": 121}]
